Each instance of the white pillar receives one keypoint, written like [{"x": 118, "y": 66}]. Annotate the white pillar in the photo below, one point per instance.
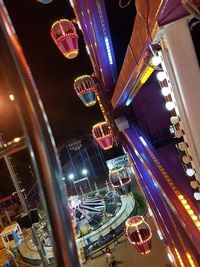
[{"x": 183, "y": 69}]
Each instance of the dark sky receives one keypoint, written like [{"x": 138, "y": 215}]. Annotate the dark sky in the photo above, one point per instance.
[{"x": 53, "y": 73}]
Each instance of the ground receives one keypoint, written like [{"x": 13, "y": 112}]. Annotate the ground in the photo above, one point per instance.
[{"x": 126, "y": 256}]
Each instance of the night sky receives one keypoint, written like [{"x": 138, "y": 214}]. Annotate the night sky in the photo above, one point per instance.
[{"x": 52, "y": 72}]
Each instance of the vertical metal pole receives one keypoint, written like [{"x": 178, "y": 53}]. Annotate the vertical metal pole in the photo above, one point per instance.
[
  {"x": 75, "y": 188},
  {"x": 82, "y": 159},
  {"x": 81, "y": 191},
  {"x": 71, "y": 160},
  {"x": 89, "y": 184},
  {"x": 96, "y": 188},
  {"x": 89, "y": 160},
  {"x": 40, "y": 143},
  {"x": 8, "y": 216},
  {"x": 101, "y": 158}
]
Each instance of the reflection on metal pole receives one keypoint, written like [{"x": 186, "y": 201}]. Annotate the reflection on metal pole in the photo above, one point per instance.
[
  {"x": 20, "y": 195},
  {"x": 14, "y": 178}
]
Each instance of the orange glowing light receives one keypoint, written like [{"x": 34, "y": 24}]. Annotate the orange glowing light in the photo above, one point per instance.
[{"x": 12, "y": 98}]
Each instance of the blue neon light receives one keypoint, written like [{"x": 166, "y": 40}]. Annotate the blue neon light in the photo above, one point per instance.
[
  {"x": 108, "y": 51},
  {"x": 128, "y": 102}
]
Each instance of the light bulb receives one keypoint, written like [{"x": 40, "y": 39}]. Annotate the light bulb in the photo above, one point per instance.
[
  {"x": 170, "y": 105},
  {"x": 179, "y": 133},
  {"x": 156, "y": 60},
  {"x": 166, "y": 91},
  {"x": 182, "y": 146},
  {"x": 194, "y": 217},
  {"x": 186, "y": 159},
  {"x": 161, "y": 76},
  {"x": 194, "y": 184},
  {"x": 197, "y": 195},
  {"x": 190, "y": 172},
  {"x": 174, "y": 120}
]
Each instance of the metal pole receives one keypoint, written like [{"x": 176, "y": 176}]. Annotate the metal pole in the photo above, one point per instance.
[
  {"x": 14, "y": 178},
  {"x": 75, "y": 188},
  {"x": 40, "y": 142},
  {"x": 81, "y": 191},
  {"x": 96, "y": 188},
  {"x": 82, "y": 159},
  {"x": 72, "y": 162},
  {"x": 13, "y": 148},
  {"x": 20, "y": 195},
  {"x": 89, "y": 184},
  {"x": 101, "y": 157},
  {"x": 89, "y": 160}
]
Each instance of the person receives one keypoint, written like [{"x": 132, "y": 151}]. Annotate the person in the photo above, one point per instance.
[
  {"x": 114, "y": 235},
  {"x": 110, "y": 258},
  {"x": 101, "y": 241}
]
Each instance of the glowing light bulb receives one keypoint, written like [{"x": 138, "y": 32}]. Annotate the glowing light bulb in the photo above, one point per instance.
[
  {"x": 198, "y": 224},
  {"x": 197, "y": 195},
  {"x": 166, "y": 91},
  {"x": 156, "y": 60},
  {"x": 194, "y": 217},
  {"x": 190, "y": 172},
  {"x": 170, "y": 105},
  {"x": 161, "y": 76},
  {"x": 184, "y": 201},
  {"x": 16, "y": 139},
  {"x": 174, "y": 120},
  {"x": 187, "y": 207},
  {"x": 12, "y": 98},
  {"x": 191, "y": 212},
  {"x": 181, "y": 197}
]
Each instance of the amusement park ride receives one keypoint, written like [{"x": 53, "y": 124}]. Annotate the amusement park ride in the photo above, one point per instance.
[
  {"x": 134, "y": 97},
  {"x": 139, "y": 234}
]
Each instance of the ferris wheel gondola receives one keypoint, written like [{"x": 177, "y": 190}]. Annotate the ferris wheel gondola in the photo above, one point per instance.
[{"x": 139, "y": 234}]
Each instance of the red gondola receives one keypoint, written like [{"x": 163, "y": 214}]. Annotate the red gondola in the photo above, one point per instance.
[
  {"x": 103, "y": 135},
  {"x": 85, "y": 89},
  {"x": 139, "y": 234},
  {"x": 65, "y": 37},
  {"x": 121, "y": 181}
]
